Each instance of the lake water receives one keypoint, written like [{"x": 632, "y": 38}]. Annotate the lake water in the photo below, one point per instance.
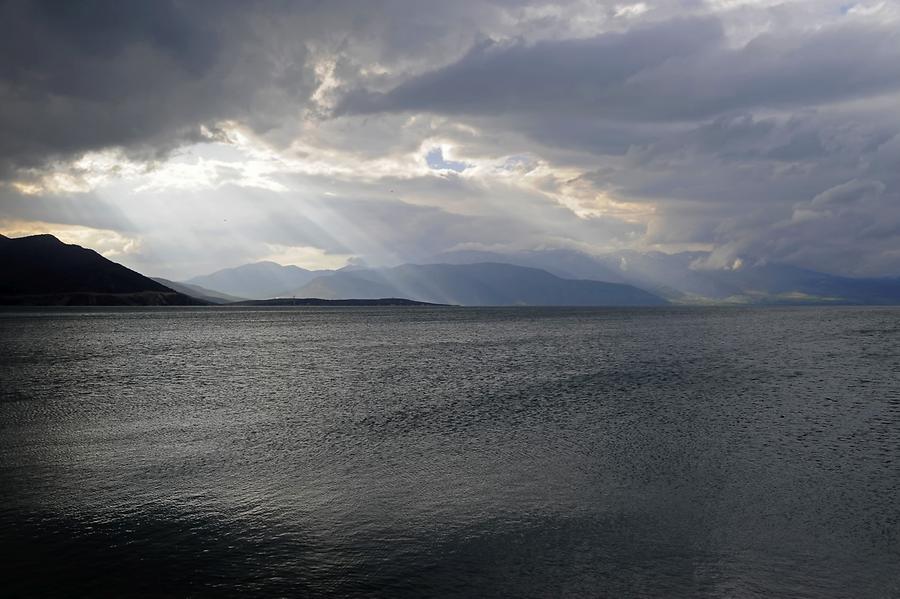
[{"x": 660, "y": 452}]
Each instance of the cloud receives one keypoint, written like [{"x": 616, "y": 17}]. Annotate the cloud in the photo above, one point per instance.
[
  {"x": 85, "y": 76},
  {"x": 560, "y": 75},
  {"x": 676, "y": 69},
  {"x": 853, "y": 226},
  {"x": 217, "y": 133}
]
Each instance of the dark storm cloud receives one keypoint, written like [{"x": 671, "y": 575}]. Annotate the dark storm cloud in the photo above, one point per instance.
[
  {"x": 146, "y": 75},
  {"x": 80, "y": 76},
  {"x": 678, "y": 69},
  {"x": 817, "y": 189},
  {"x": 558, "y": 75}
]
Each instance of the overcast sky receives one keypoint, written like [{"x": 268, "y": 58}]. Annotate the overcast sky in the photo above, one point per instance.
[{"x": 181, "y": 137}]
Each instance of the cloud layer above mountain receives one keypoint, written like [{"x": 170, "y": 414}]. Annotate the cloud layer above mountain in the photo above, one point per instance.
[{"x": 180, "y": 137}]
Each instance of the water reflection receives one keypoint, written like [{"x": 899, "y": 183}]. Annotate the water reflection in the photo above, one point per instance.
[{"x": 675, "y": 452}]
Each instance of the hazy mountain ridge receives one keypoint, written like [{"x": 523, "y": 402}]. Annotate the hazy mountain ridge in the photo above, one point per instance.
[
  {"x": 482, "y": 284},
  {"x": 345, "y": 285},
  {"x": 678, "y": 278},
  {"x": 674, "y": 277},
  {"x": 319, "y": 302},
  {"x": 42, "y": 270},
  {"x": 258, "y": 280}
]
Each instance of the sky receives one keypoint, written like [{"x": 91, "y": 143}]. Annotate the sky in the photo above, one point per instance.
[{"x": 179, "y": 137}]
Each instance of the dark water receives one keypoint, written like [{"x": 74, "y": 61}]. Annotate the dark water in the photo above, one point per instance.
[{"x": 451, "y": 452}]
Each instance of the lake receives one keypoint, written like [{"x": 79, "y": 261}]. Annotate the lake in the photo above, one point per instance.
[{"x": 451, "y": 452}]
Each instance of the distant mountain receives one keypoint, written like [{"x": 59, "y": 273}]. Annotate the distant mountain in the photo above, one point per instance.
[
  {"x": 483, "y": 284},
  {"x": 207, "y": 295},
  {"x": 678, "y": 278},
  {"x": 260, "y": 280},
  {"x": 349, "y": 284},
  {"x": 314, "y": 301},
  {"x": 566, "y": 264},
  {"x": 42, "y": 270},
  {"x": 669, "y": 276}
]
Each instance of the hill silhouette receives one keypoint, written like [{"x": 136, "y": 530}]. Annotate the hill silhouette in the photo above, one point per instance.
[{"x": 42, "y": 270}]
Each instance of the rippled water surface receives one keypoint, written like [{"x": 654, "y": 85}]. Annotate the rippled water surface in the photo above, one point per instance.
[{"x": 712, "y": 452}]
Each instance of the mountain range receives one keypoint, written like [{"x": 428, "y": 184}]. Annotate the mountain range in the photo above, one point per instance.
[
  {"x": 481, "y": 284},
  {"x": 678, "y": 278},
  {"x": 260, "y": 280},
  {"x": 42, "y": 270},
  {"x": 682, "y": 278}
]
